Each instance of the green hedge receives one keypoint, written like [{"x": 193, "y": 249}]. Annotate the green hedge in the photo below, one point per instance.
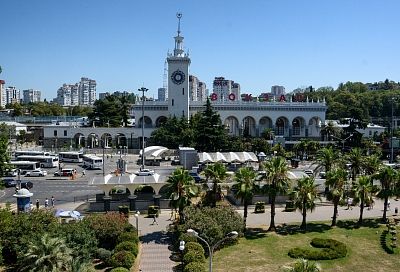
[
  {"x": 122, "y": 259},
  {"x": 193, "y": 246},
  {"x": 103, "y": 254},
  {"x": 194, "y": 267},
  {"x": 119, "y": 269},
  {"x": 128, "y": 237},
  {"x": 326, "y": 249},
  {"x": 127, "y": 246},
  {"x": 193, "y": 256}
]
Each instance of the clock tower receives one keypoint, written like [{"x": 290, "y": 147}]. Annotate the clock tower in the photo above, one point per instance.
[{"x": 178, "y": 77}]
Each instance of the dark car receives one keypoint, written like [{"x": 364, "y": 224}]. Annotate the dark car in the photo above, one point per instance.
[
  {"x": 9, "y": 182},
  {"x": 196, "y": 177},
  {"x": 26, "y": 184}
]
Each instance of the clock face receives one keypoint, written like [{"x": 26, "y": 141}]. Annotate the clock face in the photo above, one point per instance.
[{"x": 178, "y": 77}]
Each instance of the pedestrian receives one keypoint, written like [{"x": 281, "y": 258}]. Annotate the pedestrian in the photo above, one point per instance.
[
  {"x": 349, "y": 203},
  {"x": 37, "y": 204},
  {"x": 155, "y": 219},
  {"x": 388, "y": 205},
  {"x": 52, "y": 201},
  {"x": 46, "y": 203},
  {"x": 83, "y": 173}
]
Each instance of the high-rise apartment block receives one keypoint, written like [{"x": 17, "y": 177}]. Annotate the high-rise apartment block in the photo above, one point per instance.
[
  {"x": 197, "y": 89},
  {"x": 79, "y": 94},
  {"x": 2, "y": 93},
  {"x": 87, "y": 91},
  {"x": 31, "y": 96},
  {"x": 162, "y": 94},
  {"x": 12, "y": 95},
  {"x": 222, "y": 88},
  {"x": 277, "y": 90}
]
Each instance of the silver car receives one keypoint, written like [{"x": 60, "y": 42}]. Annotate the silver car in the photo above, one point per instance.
[{"x": 36, "y": 173}]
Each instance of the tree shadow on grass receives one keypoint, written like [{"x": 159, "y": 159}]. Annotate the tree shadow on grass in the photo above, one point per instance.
[
  {"x": 295, "y": 229},
  {"x": 255, "y": 233},
  {"x": 353, "y": 224}
]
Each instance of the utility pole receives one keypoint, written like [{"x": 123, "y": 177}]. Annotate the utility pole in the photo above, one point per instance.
[{"x": 143, "y": 90}]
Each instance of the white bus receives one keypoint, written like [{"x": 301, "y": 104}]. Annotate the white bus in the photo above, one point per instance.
[
  {"x": 25, "y": 166},
  {"x": 70, "y": 156},
  {"x": 92, "y": 162},
  {"x": 18, "y": 153},
  {"x": 45, "y": 161}
]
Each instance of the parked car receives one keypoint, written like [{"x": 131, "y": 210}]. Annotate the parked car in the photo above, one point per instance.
[
  {"x": 26, "y": 184},
  {"x": 9, "y": 182},
  {"x": 145, "y": 172},
  {"x": 66, "y": 172},
  {"x": 196, "y": 177},
  {"x": 309, "y": 172},
  {"x": 36, "y": 173}
]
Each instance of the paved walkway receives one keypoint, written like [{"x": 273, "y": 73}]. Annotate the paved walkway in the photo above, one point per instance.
[{"x": 155, "y": 243}]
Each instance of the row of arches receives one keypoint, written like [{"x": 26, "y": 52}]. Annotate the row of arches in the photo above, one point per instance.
[
  {"x": 105, "y": 140},
  {"x": 281, "y": 126}
]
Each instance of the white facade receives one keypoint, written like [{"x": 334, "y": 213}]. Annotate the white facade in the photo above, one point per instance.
[
  {"x": 2, "y": 93},
  {"x": 12, "y": 95},
  {"x": 67, "y": 95},
  {"x": 87, "y": 91},
  {"x": 178, "y": 79},
  {"x": 31, "y": 96}
]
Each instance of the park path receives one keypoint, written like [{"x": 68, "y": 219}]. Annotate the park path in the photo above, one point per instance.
[{"x": 155, "y": 244}]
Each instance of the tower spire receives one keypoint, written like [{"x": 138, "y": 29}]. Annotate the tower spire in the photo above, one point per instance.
[{"x": 178, "y": 51}]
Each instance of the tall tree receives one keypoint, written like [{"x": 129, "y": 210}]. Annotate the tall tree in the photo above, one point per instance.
[
  {"x": 389, "y": 179},
  {"x": 216, "y": 173},
  {"x": 111, "y": 111},
  {"x": 46, "y": 254},
  {"x": 356, "y": 160},
  {"x": 277, "y": 182},
  {"x": 326, "y": 158},
  {"x": 211, "y": 135},
  {"x": 336, "y": 181},
  {"x": 5, "y": 135},
  {"x": 372, "y": 164},
  {"x": 304, "y": 196},
  {"x": 181, "y": 189},
  {"x": 244, "y": 186},
  {"x": 363, "y": 189}
]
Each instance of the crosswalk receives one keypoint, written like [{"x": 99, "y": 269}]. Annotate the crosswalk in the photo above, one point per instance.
[{"x": 11, "y": 206}]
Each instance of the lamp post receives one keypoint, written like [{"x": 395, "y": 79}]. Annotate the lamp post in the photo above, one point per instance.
[
  {"x": 143, "y": 90},
  {"x": 343, "y": 140},
  {"x": 231, "y": 235},
  {"x": 137, "y": 223},
  {"x": 182, "y": 248}
]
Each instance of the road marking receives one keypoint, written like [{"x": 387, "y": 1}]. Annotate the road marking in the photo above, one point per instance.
[{"x": 2, "y": 194}]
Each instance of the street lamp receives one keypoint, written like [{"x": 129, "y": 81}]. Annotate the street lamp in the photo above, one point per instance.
[
  {"x": 137, "y": 223},
  {"x": 343, "y": 140},
  {"x": 182, "y": 248},
  {"x": 143, "y": 90},
  {"x": 231, "y": 235}
]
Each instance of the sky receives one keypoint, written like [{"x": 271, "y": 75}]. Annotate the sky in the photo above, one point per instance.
[{"x": 123, "y": 44}]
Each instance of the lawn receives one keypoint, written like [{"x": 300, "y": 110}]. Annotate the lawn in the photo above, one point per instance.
[{"x": 264, "y": 251}]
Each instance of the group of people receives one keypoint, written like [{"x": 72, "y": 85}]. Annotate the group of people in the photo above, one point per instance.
[{"x": 47, "y": 203}]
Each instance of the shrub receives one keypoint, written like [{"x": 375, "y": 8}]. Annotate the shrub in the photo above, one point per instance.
[
  {"x": 193, "y": 246},
  {"x": 194, "y": 267},
  {"x": 193, "y": 256},
  {"x": 119, "y": 269},
  {"x": 103, "y": 254},
  {"x": 122, "y": 259},
  {"x": 187, "y": 238},
  {"x": 1, "y": 255},
  {"x": 328, "y": 249},
  {"x": 128, "y": 237},
  {"x": 127, "y": 246}
]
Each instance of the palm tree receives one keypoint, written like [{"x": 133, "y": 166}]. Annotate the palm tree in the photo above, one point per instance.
[
  {"x": 46, "y": 254},
  {"x": 356, "y": 160},
  {"x": 372, "y": 164},
  {"x": 181, "y": 189},
  {"x": 336, "y": 180},
  {"x": 304, "y": 195},
  {"x": 326, "y": 158},
  {"x": 217, "y": 173},
  {"x": 330, "y": 130},
  {"x": 245, "y": 178},
  {"x": 277, "y": 182},
  {"x": 363, "y": 189},
  {"x": 389, "y": 181},
  {"x": 302, "y": 265}
]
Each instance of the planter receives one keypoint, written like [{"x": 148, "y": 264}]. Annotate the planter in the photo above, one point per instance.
[{"x": 124, "y": 210}]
